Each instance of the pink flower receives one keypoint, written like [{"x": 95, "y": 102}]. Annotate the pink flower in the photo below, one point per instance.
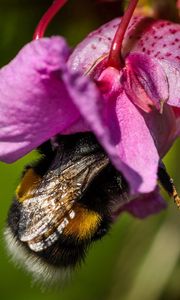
[{"x": 132, "y": 108}]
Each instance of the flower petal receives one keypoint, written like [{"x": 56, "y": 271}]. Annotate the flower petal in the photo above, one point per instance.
[
  {"x": 122, "y": 131},
  {"x": 161, "y": 40},
  {"x": 177, "y": 115},
  {"x": 156, "y": 38},
  {"x": 172, "y": 71},
  {"x": 97, "y": 45},
  {"x": 93, "y": 47},
  {"x": 34, "y": 101},
  {"x": 136, "y": 148},
  {"x": 163, "y": 128},
  {"x": 145, "y": 205},
  {"x": 145, "y": 81}
]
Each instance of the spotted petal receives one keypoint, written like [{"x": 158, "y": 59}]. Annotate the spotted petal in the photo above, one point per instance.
[{"x": 161, "y": 40}]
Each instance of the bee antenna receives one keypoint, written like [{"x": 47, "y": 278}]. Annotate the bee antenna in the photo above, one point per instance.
[
  {"x": 168, "y": 184},
  {"x": 47, "y": 17}
]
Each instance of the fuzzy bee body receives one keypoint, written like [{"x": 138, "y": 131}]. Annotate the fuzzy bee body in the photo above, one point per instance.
[{"x": 63, "y": 204}]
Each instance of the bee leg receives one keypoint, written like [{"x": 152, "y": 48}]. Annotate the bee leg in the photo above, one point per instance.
[{"x": 168, "y": 184}]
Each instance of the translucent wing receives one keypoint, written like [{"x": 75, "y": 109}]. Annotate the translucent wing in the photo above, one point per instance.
[{"x": 50, "y": 205}]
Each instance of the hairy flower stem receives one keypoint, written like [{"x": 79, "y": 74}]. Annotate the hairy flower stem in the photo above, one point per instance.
[
  {"x": 47, "y": 17},
  {"x": 115, "y": 58}
]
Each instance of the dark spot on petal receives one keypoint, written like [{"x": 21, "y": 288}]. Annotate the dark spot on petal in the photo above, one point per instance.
[
  {"x": 173, "y": 31},
  {"x": 168, "y": 54},
  {"x": 157, "y": 53}
]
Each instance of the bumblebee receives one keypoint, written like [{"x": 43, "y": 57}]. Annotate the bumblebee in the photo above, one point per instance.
[{"x": 64, "y": 203}]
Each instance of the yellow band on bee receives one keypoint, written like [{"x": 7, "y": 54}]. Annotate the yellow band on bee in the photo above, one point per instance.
[
  {"x": 84, "y": 224},
  {"x": 27, "y": 185}
]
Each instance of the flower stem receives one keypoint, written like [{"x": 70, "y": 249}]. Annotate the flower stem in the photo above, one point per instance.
[
  {"x": 47, "y": 17},
  {"x": 115, "y": 57}
]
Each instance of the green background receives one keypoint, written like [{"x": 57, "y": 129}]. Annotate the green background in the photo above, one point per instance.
[{"x": 139, "y": 259}]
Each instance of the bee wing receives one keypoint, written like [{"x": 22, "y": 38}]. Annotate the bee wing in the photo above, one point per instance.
[
  {"x": 47, "y": 212},
  {"x": 46, "y": 209}
]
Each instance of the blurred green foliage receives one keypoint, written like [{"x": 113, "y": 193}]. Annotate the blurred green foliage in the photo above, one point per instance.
[{"x": 139, "y": 259}]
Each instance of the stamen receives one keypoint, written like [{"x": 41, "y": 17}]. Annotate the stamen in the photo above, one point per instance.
[
  {"x": 115, "y": 57},
  {"x": 168, "y": 184},
  {"x": 47, "y": 17}
]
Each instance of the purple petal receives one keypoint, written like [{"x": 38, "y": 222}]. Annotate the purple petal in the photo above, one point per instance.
[
  {"x": 156, "y": 39},
  {"x": 136, "y": 148},
  {"x": 172, "y": 71},
  {"x": 34, "y": 101},
  {"x": 97, "y": 45},
  {"x": 163, "y": 128},
  {"x": 145, "y": 83},
  {"x": 93, "y": 47},
  {"x": 161, "y": 40},
  {"x": 145, "y": 205},
  {"x": 122, "y": 130}
]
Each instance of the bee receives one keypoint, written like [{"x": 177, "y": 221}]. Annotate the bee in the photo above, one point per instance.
[
  {"x": 66, "y": 201},
  {"x": 63, "y": 204}
]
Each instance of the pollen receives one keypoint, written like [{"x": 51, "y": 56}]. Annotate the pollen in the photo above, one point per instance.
[{"x": 175, "y": 195}]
